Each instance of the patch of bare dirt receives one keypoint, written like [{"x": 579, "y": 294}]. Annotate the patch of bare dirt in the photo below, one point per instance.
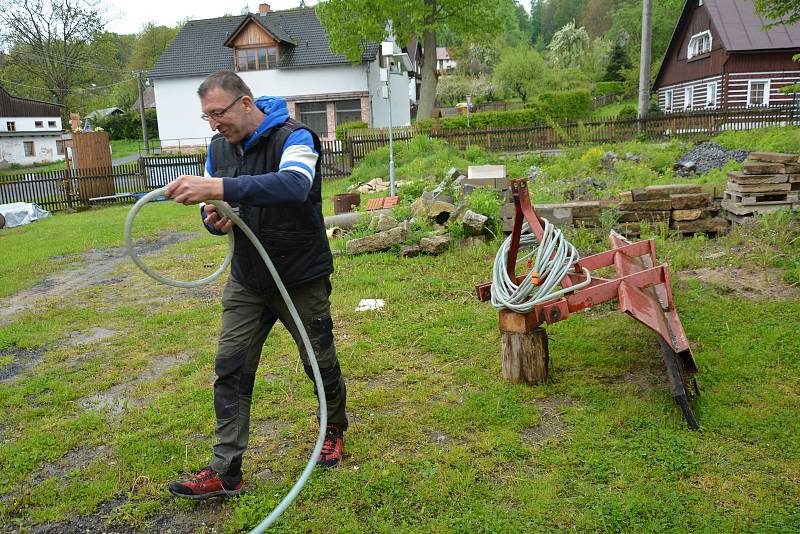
[
  {"x": 95, "y": 334},
  {"x": 755, "y": 284},
  {"x": 93, "y": 268},
  {"x": 646, "y": 375},
  {"x": 203, "y": 519},
  {"x": 552, "y": 425},
  {"x": 117, "y": 398},
  {"x": 74, "y": 460},
  {"x": 23, "y": 360}
]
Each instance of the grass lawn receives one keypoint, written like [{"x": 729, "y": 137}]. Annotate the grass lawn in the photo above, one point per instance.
[
  {"x": 106, "y": 394},
  {"x": 612, "y": 110}
]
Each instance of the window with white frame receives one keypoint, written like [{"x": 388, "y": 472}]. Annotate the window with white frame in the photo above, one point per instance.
[
  {"x": 711, "y": 95},
  {"x": 669, "y": 100},
  {"x": 688, "y": 97},
  {"x": 757, "y": 93},
  {"x": 700, "y": 43}
]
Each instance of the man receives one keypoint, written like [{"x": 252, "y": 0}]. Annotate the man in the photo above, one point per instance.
[{"x": 267, "y": 166}]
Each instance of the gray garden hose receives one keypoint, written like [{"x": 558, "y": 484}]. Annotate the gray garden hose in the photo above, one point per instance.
[
  {"x": 554, "y": 258},
  {"x": 225, "y": 210}
]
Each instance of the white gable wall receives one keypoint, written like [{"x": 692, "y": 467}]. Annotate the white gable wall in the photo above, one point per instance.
[
  {"x": 178, "y": 107},
  {"x": 28, "y": 124}
]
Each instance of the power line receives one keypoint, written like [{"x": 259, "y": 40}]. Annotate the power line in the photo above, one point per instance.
[
  {"x": 73, "y": 64},
  {"x": 95, "y": 88}
]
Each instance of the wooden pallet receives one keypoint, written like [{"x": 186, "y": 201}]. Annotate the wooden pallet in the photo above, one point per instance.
[
  {"x": 757, "y": 209},
  {"x": 755, "y": 199}
]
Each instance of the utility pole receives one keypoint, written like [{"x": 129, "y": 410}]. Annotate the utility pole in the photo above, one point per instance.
[
  {"x": 644, "y": 60},
  {"x": 139, "y": 84}
]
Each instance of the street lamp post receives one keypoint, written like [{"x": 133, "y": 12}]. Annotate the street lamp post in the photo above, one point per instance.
[{"x": 387, "y": 49}]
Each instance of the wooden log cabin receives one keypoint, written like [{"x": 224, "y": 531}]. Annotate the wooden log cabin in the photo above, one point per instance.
[{"x": 721, "y": 56}]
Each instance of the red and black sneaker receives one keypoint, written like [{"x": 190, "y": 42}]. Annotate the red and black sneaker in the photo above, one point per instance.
[
  {"x": 332, "y": 448},
  {"x": 207, "y": 483}
]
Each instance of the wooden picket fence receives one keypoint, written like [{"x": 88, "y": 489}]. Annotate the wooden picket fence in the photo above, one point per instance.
[
  {"x": 59, "y": 190},
  {"x": 706, "y": 123}
]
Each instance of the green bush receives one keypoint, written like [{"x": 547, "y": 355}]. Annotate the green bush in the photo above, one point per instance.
[
  {"x": 627, "y": 111},
  {"x": 603, "y": 88},
  {"x": 488, "y": 119},
  {"x": 342, "y": 129},
  {"x": 129, "y": 125},
  {"x": 566, "y": 105}
]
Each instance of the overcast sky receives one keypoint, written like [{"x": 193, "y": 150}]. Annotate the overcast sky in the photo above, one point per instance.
[{"x": 128, "y": 16}]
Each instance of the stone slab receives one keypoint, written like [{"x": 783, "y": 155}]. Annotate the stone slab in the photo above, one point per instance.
[
  {"x": 711, "y": 224},
  {"x": 626, "y": 196},
  {"x": 743, "y": 210},
  {"x": 585, "y": 208},
  {"x": 686, "y": 201},
  {"x": 758, "y": 188},
  {"x": 655, "y": 192},
  {"x": 741, "y": 178},
  {"x": 757, "y": 167},
  {"x": 774, "y": 157},
  {"x": 690, "y": 215},
  {"x": 555, "y": 213},
  {"x": 376, "y": 242},
  {"x": 647, "y": 205}
]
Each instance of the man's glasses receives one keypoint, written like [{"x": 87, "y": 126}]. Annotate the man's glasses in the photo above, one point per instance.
[{"x": 217, "y": 115}]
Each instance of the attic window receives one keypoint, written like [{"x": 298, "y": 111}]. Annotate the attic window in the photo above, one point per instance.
[
  {"x": 261, "y": 58},
  {"x": 700, "y": 44}
]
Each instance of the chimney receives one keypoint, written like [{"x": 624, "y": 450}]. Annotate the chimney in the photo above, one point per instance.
[{"x": 263, "y": 9}]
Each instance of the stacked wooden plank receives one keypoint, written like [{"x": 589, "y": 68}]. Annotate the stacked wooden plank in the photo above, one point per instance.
[
  {"x": 685, "y": 207},
  {"x": 768, "y": 182}
]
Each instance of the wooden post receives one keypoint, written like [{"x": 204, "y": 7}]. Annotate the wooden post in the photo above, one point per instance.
[{"x": 526, "y": 356}]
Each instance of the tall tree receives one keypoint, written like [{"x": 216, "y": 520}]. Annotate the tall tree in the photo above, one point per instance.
[
  {"x": 519, "y": 71},
  {"x": 537, "y": 12},
  {"x": 350, "y": 24},
  {"x": 782, "y": 11},
  {"x": 150, "y": 43},
  {"x": 597, "y": 16},
  {"x": 569, "y": 45},
  {"x": 619, "y": 60},
  {"x": 50, "y": 40}
]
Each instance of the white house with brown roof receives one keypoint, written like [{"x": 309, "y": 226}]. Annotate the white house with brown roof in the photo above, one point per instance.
[
  {"x": 30, "y": 131},
  {"x": 277, "y": 53}
]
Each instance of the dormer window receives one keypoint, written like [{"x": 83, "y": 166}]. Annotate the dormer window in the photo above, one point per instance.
[
  {"x": 261, "y": 58},
  {"x": 700, "y": 44}
]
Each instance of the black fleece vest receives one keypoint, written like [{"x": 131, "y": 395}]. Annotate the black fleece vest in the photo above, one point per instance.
[{"x": 292, "y": 234}]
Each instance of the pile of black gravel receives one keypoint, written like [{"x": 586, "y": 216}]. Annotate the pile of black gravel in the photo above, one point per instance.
[{"x": 707, "y": 156}]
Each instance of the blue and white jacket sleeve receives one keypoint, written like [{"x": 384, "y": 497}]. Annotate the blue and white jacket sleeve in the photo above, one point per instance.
[
  {"x": 207, "y": 173},
  {"x": 290, "y": 185}
]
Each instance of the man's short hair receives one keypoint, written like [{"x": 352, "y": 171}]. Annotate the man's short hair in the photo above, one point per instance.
[{"x": 226, "y": 80}]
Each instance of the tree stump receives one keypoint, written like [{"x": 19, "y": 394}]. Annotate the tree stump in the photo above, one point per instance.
[{"x": 525, "y": 356}]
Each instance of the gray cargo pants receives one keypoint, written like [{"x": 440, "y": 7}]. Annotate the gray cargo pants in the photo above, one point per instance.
[{"x": 247, "y": 319}]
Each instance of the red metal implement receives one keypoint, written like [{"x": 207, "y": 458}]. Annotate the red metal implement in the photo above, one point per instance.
[{"x": 642, "y": 287}]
